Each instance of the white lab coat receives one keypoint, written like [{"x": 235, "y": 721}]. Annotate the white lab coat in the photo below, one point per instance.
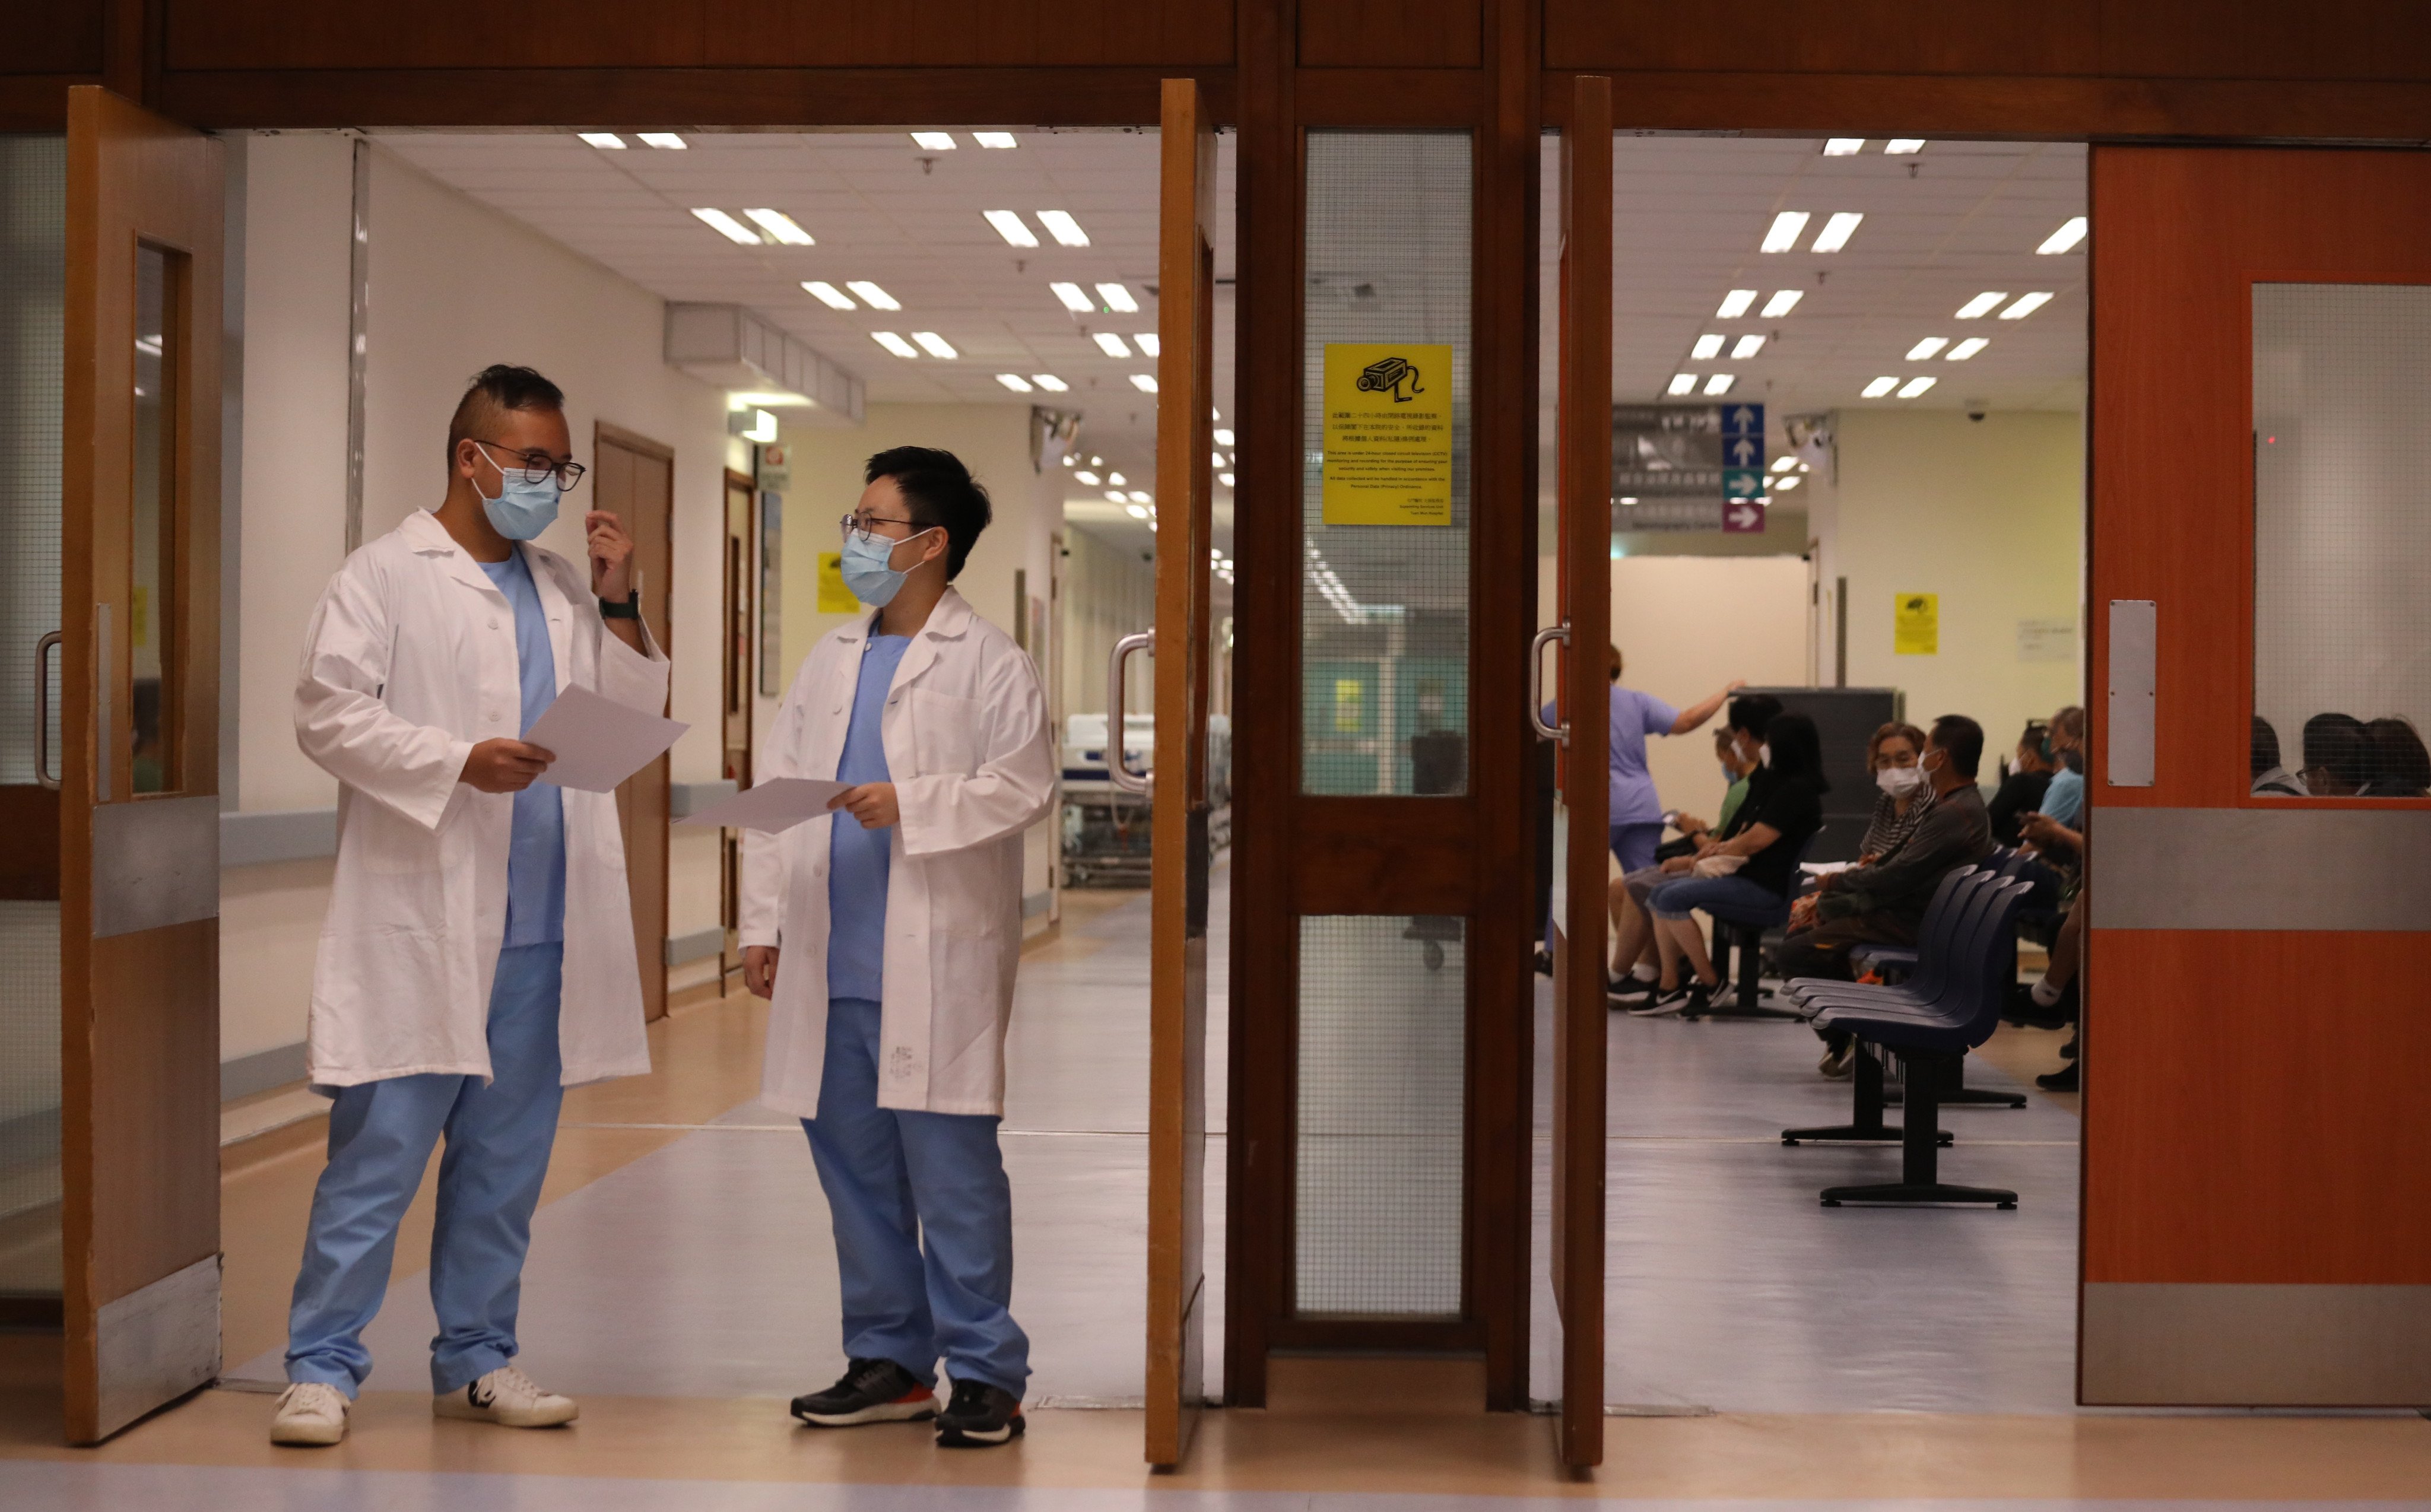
[
  {"x": 410, "y": 661},
  {"x": 969, "y": 749}
]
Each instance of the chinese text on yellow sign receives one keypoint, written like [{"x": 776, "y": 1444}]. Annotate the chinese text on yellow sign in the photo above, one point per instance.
[
  {"x": 1387, "y": 433},
  {"x": 1915, "y": 625}
]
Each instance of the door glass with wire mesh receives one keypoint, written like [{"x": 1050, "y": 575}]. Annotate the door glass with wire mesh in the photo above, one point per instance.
[{"x": 2342, "y": 541}]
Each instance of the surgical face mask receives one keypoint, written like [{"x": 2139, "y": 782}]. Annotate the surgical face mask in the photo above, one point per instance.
[
  {"x": 1764, "y": 754},
  {"x": 1898, "y": 781},
  {"x": 523, "y": 508},
  {"x": 868, "y": 570}
]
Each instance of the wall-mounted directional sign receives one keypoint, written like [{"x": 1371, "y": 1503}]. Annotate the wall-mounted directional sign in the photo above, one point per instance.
[
  {"x": 1681, "y": 466},
  {"x": 1742, "y": 516}
]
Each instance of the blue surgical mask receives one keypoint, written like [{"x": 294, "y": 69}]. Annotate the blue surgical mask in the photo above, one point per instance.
[
  {"x": 523, "y": 508},
  {"x": 868, "y": 570}
]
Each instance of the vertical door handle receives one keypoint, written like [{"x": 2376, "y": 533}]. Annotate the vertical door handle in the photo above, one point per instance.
[
  {"x": 1537, "y": 683},
  {"x": 42, "y": 772},
  {"x": 1118, "y": 769}
]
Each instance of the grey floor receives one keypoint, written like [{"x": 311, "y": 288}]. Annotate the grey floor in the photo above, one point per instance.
[{"x": 706, "y": 1268}]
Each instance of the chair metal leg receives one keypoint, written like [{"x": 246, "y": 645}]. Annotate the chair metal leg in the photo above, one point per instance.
[
  {"x": 1920, "y": 1176},
  {"x": 1866, "y": 1125},
  {"x": 1956, "y": 1094},
  {"x": 1747, "y": 1000}
]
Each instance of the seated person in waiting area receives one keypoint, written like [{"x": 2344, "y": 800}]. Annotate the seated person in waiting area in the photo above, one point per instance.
[
  {"x": 1736, "y": 769},
  {"x": 1633, "y": 958},
  {"x": 2270, "y": 778},
  {"x": 2021, "y": 792},
  {"x": 2400, "y": 766},
  {"x": 1902, "y": 794},
  {"x": 1885, "y": 902},
  {"x": 1745, "y": 877},
  {"x": 2065, "y": 793},
  {"x": 2337, "y": 756}
]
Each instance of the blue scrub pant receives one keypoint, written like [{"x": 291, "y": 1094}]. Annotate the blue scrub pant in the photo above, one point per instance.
[
  {"x": 922, "y": 1220},
  {"x": 380, "y": 1138}
]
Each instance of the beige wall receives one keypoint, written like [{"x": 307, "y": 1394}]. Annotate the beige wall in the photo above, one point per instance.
[
  {"x": 1686, "y": 626},
  {"x": 1108, "y": 593},
  {"x": 1989, "y": 515},
  {"x": 454, "y": 287}
]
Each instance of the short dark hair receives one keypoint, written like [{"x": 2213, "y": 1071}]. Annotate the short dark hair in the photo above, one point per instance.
[
  {"x": 2400, "y": 765},
  {"x": 942, "y": 494},
  {"x": 2262, "y": 747},
  {"x": 1754, "y": 712},
  {"x": 2337, "y": 744},
  {"x": 1797, "y": 749},
  {"x": 1962, "y": 740},
  {"x": 496, "y": 390}
]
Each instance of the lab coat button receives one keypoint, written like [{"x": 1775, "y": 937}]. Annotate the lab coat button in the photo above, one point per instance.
[{"x": 493, "y": 622}]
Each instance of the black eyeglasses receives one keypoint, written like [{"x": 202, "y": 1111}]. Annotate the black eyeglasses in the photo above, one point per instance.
[
  {"x": 537, "y": 465},
  {"x": 858, "y": 525}
]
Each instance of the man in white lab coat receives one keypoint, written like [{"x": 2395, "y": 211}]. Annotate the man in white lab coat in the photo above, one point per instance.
[
  {"x": 899, "y": 922},
  {"x": 477, "y": 955}
]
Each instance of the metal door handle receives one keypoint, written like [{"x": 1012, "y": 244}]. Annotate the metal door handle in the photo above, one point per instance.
[
  {"x": 42, "y": 772},
  {"x": 1116, "y": 770},
  {"x": 1537, "y": 682}
]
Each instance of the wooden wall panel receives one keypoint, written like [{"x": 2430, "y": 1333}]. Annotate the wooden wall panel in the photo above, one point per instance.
[
  {"x": 2275, "y": 1101},
  {"x": 1391, "y": 33},
  {"x": 1795, "y": 37},
  {"x": 51, "y": 37},
  {"x": 974, "y": 33},
  {"x": 259, "y": 34},
  {"x": 151, "y": 1146},
  {"x": 2322, "y": 40}
]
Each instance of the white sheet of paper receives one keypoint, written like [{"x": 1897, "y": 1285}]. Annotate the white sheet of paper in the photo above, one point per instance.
[
  {"x": 772, "y": 807},
  {"x": 599, "y": 742}
]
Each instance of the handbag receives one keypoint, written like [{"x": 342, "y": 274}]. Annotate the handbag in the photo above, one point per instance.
[{"x": 1719, "y": 865}]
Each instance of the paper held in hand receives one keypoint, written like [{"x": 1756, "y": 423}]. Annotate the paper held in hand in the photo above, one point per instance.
[
  {"x": 598, "y": 742},
  {"x": 771, "y": 807}
]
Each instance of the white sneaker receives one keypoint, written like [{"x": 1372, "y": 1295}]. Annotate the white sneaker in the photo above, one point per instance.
[
  {"x": 309, "y": 1412},
  {"x": 509, "y": 1397}
]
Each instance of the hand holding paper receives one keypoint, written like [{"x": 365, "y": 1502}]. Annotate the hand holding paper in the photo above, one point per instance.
[
  {"x": 599, "y": 742},
  {"x": 773, "y": 806}
]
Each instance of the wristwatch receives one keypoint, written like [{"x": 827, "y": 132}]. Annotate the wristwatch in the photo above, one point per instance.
[{"x": 630, "y": 609}]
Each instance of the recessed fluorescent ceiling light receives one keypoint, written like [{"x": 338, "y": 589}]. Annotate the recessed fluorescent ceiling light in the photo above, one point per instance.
[
  {"x": 828, "y": 294},
  {"x": 1086, "y": 477},
  {"x": 1880, "y": 387},
  {"x": 1735, "y": 304},
  {"x": 663, "y": 139},
  {"x": 893, "y": 343},
  {"x": 872, "y": 294},
  {"x": 1140, "y": 498},
  {"x": 1982, "y": 305},
  {"x": 1223, "y": 438},
  {"x": 1748, "y": 347},
  {"x": 1111, "y": 343},
  {"x": 1150, "y": 343},
  {"x": 1718, "y": 383},
  {"x": 1061, "y": 226},
  {"x": 1074, "y": 298},
  {"x": 1144, "y": 383},
  {"x": 605, "y": 140},
  {"x": 1050, "y": 382},
  {"x": 933, "y": 140},
  {"x": 994, "y": 139},
  {"x": 1009, "y": 225},
  {"x": 1118, "y": 298},
  {"x": 1914, "y": 386},
  {"x": 1117, "y": 495},
  {"x": 780, "y": 226},
  {"x": 1134, "y": 510},
  {"x": 1837, "y": 230},
  {"x": 2026, "y": 305},
  {"x": 1902, "y": 146},
  {"x": 1708, "y": 346},
  {"x": 1782, "y": 302},
  {"x": 934, "y": 344},
  {"x": 1786, "y": 228},
  {"x": 1225, "y": 479},
  {"x": 728, "y": 227},
  {"x": 1219, "y": 461},
  {"x": 773, "y": 398},
  {"x": 1844, "y": 146},
  {"x": 1682, "y": 383},
  {"x": 1113, "y": 478},
  {"x": 1782, "y": 465},
  {"x": 1967, "y": 348},
  {"x": 2071, "y": 231},
  {"x": 1783, "y": 485},
  {"x": 1013, "y": 381},
  {"x": 1926, "y": 347}
]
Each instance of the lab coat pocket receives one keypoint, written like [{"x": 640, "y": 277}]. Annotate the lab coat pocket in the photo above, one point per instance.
[{"x": 945, "y": 734}]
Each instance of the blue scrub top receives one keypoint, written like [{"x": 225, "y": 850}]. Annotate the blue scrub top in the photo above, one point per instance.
[
  {"x": 859, "y": 858},
  {"x": 2065, "y": 799},
  {"x": 1635, "y": 716},
  {"x": 536, "y": 847}
]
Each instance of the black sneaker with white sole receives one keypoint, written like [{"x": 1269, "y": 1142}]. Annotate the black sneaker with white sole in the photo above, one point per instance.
[
  {"x": 979, "y": 1417},
  {"x": 870, "y": 1391}
]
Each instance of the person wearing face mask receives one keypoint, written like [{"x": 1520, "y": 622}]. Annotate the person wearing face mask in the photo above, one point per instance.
[
  {"x": 886, "y": 939},
  {"x": 479, "y": 954},
  {"x": 1901, "y": 795}
]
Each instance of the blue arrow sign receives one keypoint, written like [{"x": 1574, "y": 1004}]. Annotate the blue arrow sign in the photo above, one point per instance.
[
  {"x": 1743, "y": 420},
  {"x": 1743, "y": 451}
]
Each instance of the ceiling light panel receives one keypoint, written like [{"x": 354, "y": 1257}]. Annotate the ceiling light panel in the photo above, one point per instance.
[
  {"x": 1837, "y": 230},
  {"x": 872, "y": 295},
  {"x": 1782, "y": 465},
  {"x": 2026, "y": 304},
  {"x": 1747, "y": 346},
  {"x": 1927, "y": 349},
  {"x": 1982, "y": 305},
  {"x": 1880, "y": 387},
  {"x": 1784, "y": 233},
  {"x": 934, "y": 344},
  {"x": 1720, "y": 383},
  {"x": 604, "y": 140},
  {"x": 1113, "y": 478},
  {"x": 1111, "y": 343},
  {"x": 1061, "y": 226},
  {"x": 1075, "y": 297},
  {"x": 1118, "y": 298},
  {"x": 828, "y": 294},
  {"x": 1009, "y": 225},
  {"x": 933, "y": 140},
  {"x": 728, "y": 228},
  {"x": 1844, "y": 146},
  {"x": 1782, "y": 303},
  {"x": 1682, "y": 383},
  {"x": 1708, "y": 346},
  {"x": 1967, "y": 348},
  {"x": 1225, "y": 479},
  {"x": 1735, "y": 303},
  {"x": 780, "y": 226},
  {"x": 1143, "y": 382},
  {"x": 1902, "y": 147},
  {"x": 2071, "y": 233},
  {"x": 1783, "y": 485},
  {"x": 1013, "y": 381},
  {"x": 1150, "y": 342},
  {"x": 1086, "y": 477},
  {"x": 665, "y": 138},
  {"x": 1141, "y": 496},
  {"x": 1050, "y": 382},
  {"x": 893, "y": 343},
  {"x": 1136, "y": 511},
  {"x": 1223, "y": 437},
  {"x": 997, "y": 140},
  {"x": 1914, "y": 387}
]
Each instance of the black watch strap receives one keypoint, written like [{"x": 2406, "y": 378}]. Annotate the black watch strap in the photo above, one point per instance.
[{"x": 630, "y": 609}]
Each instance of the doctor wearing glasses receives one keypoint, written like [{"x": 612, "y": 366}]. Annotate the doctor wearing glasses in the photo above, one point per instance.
[
  {"x": 478, "y": 953},
  {"x": 898, "y": 927}
]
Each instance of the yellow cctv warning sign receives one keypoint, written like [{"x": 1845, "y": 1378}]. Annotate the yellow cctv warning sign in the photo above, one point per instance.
[
  {"x": 834, "y": 597},
  {"x": 1915, "y": 625},
  {"x": 1387, "y": 433}
]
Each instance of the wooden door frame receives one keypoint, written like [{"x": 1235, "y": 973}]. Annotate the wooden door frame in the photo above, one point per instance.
[{"x": 653, "y": 953}]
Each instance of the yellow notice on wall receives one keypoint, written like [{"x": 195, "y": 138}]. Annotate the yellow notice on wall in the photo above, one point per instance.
[
  {"x": 1916, "y": 624},
  {"x": 834, "y": 597},
  {"x": 1350, "y": 706},
  {"x": 1387, "y": 433}
]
